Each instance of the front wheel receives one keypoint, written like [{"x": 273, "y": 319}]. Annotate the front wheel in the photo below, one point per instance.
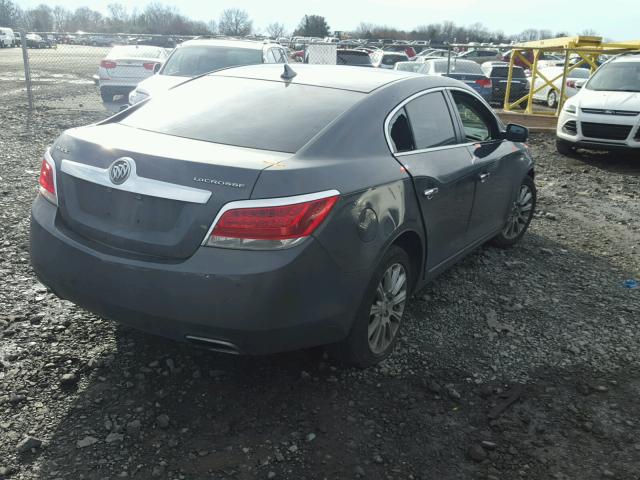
[
  {"x": 375, "y": 330},
  {"x": 520, "y": 215},
  {"x": 564, "y": 147}
]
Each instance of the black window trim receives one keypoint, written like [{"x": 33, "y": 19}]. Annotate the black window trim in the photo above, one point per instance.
[{"x": 455, "y": 119}]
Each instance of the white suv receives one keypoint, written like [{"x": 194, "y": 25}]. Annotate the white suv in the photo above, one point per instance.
[
  {"x": 202, "y": 55},
  {"x": 605, "y": 114},
  {"x": 7, "y": 38}
]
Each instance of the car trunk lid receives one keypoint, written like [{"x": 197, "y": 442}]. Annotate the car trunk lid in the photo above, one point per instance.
[
  {"x": 166, "y": 205},
  {"x": 133, "y": 68}
]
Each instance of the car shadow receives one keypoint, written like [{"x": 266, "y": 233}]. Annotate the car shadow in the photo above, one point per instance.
[
  {"x": 161, "y": 409},
  {"x": 625, "y": 163}
]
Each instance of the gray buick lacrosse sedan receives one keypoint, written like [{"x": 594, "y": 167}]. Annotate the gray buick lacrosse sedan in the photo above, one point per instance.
[{"x": 267, "y": 208}]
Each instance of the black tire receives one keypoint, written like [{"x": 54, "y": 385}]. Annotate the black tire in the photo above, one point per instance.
[
  {"x": 355, "y": 349},
  {"x": 106, "y": 95},
  {"x": 552, "y": 99},
  {"x": 564, "y": 147},
  {"x": 507, "y": 237}
]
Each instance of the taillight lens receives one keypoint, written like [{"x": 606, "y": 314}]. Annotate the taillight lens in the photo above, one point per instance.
[
  {"x": 108, "y": 64},
  {"x": 270, "y": 224},
  {"x": 149, "y": 65},
  {"x": 47, "y": 180},
  {"x": 571, "y": 83},
  {"x": 484, "y": 82}
]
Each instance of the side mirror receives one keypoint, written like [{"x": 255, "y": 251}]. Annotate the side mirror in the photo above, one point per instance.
[
  {"x": 156, "y": 68},
  {"x": 516, "y": 133}
]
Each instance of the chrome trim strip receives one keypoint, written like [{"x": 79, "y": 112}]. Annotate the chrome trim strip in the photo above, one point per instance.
[
  {"x": 267, "y": 202},
  {"x": 136, "y": 184},
  {"x": 402, "y": 104}
]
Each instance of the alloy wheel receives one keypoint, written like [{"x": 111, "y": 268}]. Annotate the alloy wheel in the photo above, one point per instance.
[
  {"x": 520, "y": 214},
  {"x": 387, "y": 308}
]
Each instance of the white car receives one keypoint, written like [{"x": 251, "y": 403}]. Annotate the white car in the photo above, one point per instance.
[
  {"x": 7, "y": 38},
  {"x": 605, "y": 114},
  {"x": 574, "y": 81},
  {"x": 382, "y": 59},
  {"x": 126, "y": 66},
  {"x": 202, "y": 55}
]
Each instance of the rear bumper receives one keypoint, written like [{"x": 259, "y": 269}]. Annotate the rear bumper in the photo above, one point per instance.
[{"x": 260, "y": 302}]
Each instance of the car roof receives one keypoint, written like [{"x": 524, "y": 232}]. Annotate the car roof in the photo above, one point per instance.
[
  {"x": 626, "y": 57},
  {"x": 342, "y": 77},
  {"x": 230, "y": 42}
]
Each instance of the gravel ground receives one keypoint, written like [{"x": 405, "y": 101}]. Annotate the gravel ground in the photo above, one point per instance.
[{"x": 521, "y": 363}]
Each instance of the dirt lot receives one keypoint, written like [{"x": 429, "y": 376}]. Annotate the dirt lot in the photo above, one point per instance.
[
  {"x": 515, "y": 364},
  {"x": 62, "y": 77}
]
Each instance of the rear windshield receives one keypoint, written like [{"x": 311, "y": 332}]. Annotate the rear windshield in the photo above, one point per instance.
[
  {"x": 409, "y": 66},
  {"x": 353, "y": 58},
  {"x": 616, "y": 77},
  {"x": 135, "y": 52},
  {"x": 198, "y": 59},
  {"x": 243, "y": 112},
  {"x": 392, "y": 59},
  {"x": 579, "y": 73},
  {"x": 503, "y": 72},
  {"x": 465, "y": 66}
]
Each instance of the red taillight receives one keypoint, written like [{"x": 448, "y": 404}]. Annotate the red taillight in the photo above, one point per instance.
[
  {"x": 484, "y": 82},
  {"x": 108, "y": 64},
  {"x": 571, "y": 83},
  {"x": 149, "y": 65},
  {"x": 47, "y": 181},
  {"x": 274, "y": 223}
]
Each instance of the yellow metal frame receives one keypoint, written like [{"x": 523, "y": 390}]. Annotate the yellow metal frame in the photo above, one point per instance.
[{"x": 588, "y": 49}]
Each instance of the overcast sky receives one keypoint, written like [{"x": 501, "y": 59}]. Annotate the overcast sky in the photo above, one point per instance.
[{"x": 617, "y": 19}]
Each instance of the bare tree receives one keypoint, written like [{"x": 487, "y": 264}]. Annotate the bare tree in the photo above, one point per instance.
[
  {"x": 235, "y": 22},
  {"x": 589, "y": 32},
  {"x": 275, "y": 30},
  {"x": 212, "y": 27}
]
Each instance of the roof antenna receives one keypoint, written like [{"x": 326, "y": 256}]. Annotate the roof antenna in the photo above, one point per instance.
[{"x": 288, "y": 73}]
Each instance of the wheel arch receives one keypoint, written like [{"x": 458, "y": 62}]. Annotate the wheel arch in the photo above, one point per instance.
[{"x": 412, "y": 243}]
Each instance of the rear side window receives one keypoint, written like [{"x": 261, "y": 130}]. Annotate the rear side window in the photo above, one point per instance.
[
  {"x": 244, "y": 112},
  {"x": 431, "y": 121}
]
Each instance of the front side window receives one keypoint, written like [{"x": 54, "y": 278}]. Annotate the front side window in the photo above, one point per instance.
[
  {"x": 430, "y": 121},
  {"x": 478, "y": 123}
]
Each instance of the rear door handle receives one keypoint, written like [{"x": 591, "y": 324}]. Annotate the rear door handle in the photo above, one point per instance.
[
  {"x": 429, "y": 193},
  {"x": 484, "y": 177}
]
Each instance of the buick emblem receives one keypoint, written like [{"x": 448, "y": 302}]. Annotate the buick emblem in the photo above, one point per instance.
[{"x": 120, "y": 170}]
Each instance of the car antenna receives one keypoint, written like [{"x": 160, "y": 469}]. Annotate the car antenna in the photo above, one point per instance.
[{"x": 288, "y": 73}]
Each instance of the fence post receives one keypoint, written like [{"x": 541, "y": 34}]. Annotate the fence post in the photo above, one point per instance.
[{"x": 27, "y": 68}]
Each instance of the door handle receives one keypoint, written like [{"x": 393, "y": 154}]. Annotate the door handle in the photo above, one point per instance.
[
  {"x": 484, "y": 177},
  {"x": 429, "y": 193}
]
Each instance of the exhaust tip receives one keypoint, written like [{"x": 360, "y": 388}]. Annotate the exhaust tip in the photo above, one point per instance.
[{"x": 213, "y": 344}]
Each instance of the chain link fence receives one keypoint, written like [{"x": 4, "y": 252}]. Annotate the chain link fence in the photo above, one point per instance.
[{"x": 61, "y": 71}]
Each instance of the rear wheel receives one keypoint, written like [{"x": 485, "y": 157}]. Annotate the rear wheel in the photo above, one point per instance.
[
  {"x": 375, "y": 330},
  {"x": 552, "y": 99},
  {"x": 106, "y": 95},
  {"x": 520, "y": 215},
  {"x": 564, "y": 147}
]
